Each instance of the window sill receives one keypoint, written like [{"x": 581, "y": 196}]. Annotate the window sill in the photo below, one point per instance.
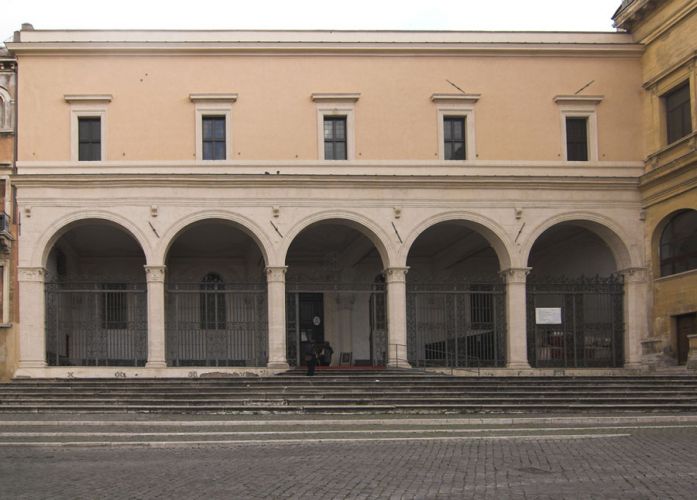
[
  {"x": 5, "y": 325},
  {"x": 673, "y": 151},
  {"x": 676, "y": 275}
]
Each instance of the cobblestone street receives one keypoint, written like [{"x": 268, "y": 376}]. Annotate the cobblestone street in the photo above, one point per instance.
[{"x": 592, "y": 462}]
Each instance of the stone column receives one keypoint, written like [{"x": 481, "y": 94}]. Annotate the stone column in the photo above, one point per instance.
[
  {"x": 516, "y": 318},
  {"x": 344, "y": 324},
  {"x": 396, "y": 288},
  {"x": 276, "y": 283},
  {"x": 155, "y": 276},
  {"x": 32, "y": 317},
  {"x": 636, "y": 314}
]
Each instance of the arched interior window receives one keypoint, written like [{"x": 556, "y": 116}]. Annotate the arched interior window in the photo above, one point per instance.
[
  {"x": 679, "y": 243},
  {"x": 212, "y": 302}
]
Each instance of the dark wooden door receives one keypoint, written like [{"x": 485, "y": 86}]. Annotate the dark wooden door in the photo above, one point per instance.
[
  {"x": 311, "y": 307},
  {"x": 686, "y": 324}
]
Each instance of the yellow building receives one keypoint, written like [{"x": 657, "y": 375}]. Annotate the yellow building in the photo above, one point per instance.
[
  {"x": 8, "y": 229},
  {"x": 668, "y": 32}
]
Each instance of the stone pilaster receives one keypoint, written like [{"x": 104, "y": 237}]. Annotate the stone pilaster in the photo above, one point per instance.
[
  {"x": 516, "y": 317},
  {"x": 636, "y": 314},
  {"x": 32, "y": 317},
  {"x": 155, "y": 277},
  {"x": 276, "y": 283},
  {"x": 395, "y": 281}
]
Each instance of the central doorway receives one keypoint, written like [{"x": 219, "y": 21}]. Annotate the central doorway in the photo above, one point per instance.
[
  {"x": 333, "y": 296},
  {"x": 311, "y": 322}
]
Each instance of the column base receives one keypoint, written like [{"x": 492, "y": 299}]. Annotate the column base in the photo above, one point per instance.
[
  {"x": 635, "y": 365},
  {"x": 278, "y": 365},
  {"x": 32, "y": 364},
  {"x": 399, "y": 364},
  {"x": 156, "y": 364},
  {"x": 518, "y": 365}
]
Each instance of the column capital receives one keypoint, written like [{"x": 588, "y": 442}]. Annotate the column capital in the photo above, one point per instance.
[
  {"x": 31, "y": 274},
  {"x": 634, "y": 274},
  {"x": 155, "y": 274},
  {"x": 276, "y": 274},
  {"x": 395, "y": 274},
  {"x": 516, "y": 274}
]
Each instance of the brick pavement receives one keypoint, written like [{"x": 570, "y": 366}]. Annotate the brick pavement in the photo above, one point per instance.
[{"x": 645, "y": 463}]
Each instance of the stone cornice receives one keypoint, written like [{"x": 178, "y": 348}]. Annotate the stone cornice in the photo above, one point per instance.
[
  {"x": 351, "y": 168},
  {"x": 455, "y": 98},
  {"x": 74, "y": 98},
  {"x": 365, "y": 181},
  {"x": 335, "y": 96},
  {"x": 323, "y": 42},
  {"x": 213, "y": 97},
  {"x": 575, "y": 100}
]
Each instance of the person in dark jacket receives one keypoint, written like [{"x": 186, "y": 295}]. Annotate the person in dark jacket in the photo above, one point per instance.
[
  {"x": 311, "y": 360},
  {"x": 325, "y": 355}
]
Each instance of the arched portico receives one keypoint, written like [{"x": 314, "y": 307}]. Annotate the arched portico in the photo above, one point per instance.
[
  {"x": 95, "y": 295},
  {"x": 456, "y": 294},
  {"x": 576, "y": 294},
  {"x": 335, "y": 293},
  {"x": 215, "y": 296}
]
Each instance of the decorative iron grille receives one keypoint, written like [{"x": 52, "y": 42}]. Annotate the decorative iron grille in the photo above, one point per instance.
[
  {"x": 216, "y": 324},
  {"x": 459, "y": 324},
  {"x": 96, "y": 324},
  {"x": 590, "y": 329}
]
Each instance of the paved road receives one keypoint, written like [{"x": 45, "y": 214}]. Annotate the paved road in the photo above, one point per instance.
[{"x": 347, "y": 459}]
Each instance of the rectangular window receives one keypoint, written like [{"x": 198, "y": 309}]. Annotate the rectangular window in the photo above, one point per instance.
[
  {"x": 214, "y": 137},
  {"x": 454, "y": 138},
  {"x": 678, "y": 117},
  {"x": 577, "y": 139},
  {"x": 335, "y": 138},
  {"x": 89, "y": 138}
]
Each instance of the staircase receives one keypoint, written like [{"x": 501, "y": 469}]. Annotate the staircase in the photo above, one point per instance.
[{"x": 355, "y": 391}]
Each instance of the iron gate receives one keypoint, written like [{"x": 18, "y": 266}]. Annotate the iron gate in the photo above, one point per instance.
[
  {"x": 216, "y": 324},
  {"x": 373, "y": 293},
  {"x": 96, "y": 324},
  {"x": 586, "y": 326},
  {"x": 458, "y": 325}
]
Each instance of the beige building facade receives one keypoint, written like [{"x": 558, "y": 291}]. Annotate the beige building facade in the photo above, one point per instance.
[
  {"x": 198, "y": 202},
  {"x": 669, "y": 186}
]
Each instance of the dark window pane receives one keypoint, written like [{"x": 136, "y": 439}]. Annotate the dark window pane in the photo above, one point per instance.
[
  {"x": 678, "y": 247},
  {"x": 89, "y": 139},
  {"x": 454, "y": 138},
  {"x": 577, "y": 139},
  {"x": 214, "y": 138},
  {"x": 678, "y": 117},
  {"x": 335, "y": 138}
]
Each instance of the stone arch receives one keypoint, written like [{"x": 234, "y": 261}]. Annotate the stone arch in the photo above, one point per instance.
[
  {"x": 49, "y": 238},
  {"x": 487, "y": 228},
  {"x": 351, "y": 219},
  {"x": 604, "y": 228},
  {"x": 247, "y": 226}
]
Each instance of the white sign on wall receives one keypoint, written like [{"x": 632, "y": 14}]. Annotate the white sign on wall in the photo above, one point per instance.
[{"x": 548, "y": 315}]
